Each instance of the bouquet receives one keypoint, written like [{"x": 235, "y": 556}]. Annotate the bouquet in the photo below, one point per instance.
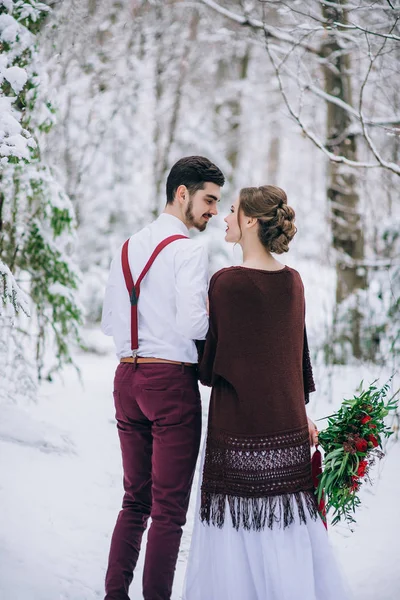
[{"x": 352, "y": 442}]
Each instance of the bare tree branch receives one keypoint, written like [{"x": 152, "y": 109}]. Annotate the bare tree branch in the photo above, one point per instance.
[
  {"x": 256, "y": 24},
  {"x": 376, "y": 33},
  {"x": 272, "y": 32},
  {"x": 333, "y": 157},
  {"x": 394, "y": 120},
  {"x": 309, "y": 14},
  {"x": 390, "y": 166},
  {"x": 279, "y": 36},
  {"x": 352, "y": 7}
]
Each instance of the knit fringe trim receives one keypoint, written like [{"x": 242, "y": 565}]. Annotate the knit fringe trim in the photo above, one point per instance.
[{"x": 256, "y": 513}]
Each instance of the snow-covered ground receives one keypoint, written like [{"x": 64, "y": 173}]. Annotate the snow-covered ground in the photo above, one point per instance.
[{"x": 61, "y": 488}]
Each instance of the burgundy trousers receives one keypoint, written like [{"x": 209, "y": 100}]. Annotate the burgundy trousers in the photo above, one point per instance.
[{"x": 158, "y": 412}]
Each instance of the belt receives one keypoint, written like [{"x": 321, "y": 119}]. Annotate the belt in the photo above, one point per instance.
[{"x": 149, "y": 360}]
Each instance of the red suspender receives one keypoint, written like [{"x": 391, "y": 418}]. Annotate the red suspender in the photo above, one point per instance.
[{"x": 134, "y": 288}]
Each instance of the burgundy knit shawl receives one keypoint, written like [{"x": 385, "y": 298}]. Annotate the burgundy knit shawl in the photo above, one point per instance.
[{"x": 257, "y": 361}]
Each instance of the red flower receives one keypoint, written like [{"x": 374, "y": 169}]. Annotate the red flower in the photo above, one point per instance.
[
  {"x": 366, "y": 419},
  {"x": 355, "y": 483},
  {"x": 362, "y": 445},
  {"x": 371, "y": 438},
  {"x": 362, "y": 467},
  {"x": 372, "y": 426}
]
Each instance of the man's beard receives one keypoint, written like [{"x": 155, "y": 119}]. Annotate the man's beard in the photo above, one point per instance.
[{"x": 190, "y": 220}]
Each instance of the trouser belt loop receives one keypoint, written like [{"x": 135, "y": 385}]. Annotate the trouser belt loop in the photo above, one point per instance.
[
  {"x": 183, "y": 367},
  {"x": 135, "y": 361}
]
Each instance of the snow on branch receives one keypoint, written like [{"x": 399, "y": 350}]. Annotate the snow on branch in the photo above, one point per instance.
[
  {"x": 333, "y": 157},
  {"x": 394, "y": 120},
  {"x": 335, "y": 29},
  {"x": 15, "y": 141},
  {"x": 388, "y": 36},
  {"x": 359, "y": 7},
  {"x": 13, "y": 299},
  {"x": 257, "y": 24},
  {"x": 387, "y": 165}
]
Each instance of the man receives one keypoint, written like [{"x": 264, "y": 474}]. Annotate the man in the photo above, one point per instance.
[{"x": 156, "y": 393}]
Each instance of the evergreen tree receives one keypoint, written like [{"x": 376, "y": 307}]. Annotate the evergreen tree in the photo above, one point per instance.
[{"x": 37, "y": 224}]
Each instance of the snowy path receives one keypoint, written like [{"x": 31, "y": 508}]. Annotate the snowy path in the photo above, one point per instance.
[{"x": 60, "y": 492}]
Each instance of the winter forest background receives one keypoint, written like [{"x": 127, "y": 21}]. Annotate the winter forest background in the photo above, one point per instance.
[{"x": 100, "y": 97}]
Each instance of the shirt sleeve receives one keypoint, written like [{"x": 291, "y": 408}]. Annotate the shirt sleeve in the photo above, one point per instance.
[
  {"x": 308, "y": 379},
  {"x": 106, "y": 315},
  {"x": 191, "y": 274}
]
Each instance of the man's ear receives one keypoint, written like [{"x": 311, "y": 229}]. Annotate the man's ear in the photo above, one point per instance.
[{"x": 181, "y": 193}]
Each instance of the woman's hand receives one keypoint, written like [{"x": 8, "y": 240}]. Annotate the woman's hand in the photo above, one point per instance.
[{"x": 313, "y": 432}]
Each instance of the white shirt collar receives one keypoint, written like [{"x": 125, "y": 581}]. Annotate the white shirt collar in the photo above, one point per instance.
[{"x": 174, "y": 222}]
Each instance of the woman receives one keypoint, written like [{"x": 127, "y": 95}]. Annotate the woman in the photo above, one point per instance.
[{"x": 259, "y": 535}]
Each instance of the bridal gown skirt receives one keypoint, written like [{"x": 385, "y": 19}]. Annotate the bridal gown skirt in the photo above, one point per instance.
[{"x": 295, "y": 563}]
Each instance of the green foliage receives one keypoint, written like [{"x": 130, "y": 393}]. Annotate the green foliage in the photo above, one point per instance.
[
  {"x": 38, "y": 239},
  {"x": 37, "y": 222},
  {"x": 61, "y": 219},
  {"x": 350, "y": 443}
]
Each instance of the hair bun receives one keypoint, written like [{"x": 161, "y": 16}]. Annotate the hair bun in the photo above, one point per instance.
[{"x": 268, "y": 203}]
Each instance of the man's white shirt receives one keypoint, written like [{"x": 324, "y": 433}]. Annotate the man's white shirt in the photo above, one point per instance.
[{"x": 172, "y": 307}]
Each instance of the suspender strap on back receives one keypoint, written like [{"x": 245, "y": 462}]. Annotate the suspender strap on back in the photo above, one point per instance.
[{"x": 134, "y": 288}]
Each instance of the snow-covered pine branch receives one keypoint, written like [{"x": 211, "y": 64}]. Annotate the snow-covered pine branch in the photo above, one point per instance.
[
  {"x": 13, "y": 299},
  {"x": 16, "y": 42}
]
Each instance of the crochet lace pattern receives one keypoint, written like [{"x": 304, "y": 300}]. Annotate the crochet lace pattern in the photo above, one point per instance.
[{"x": 263, "y": 478}]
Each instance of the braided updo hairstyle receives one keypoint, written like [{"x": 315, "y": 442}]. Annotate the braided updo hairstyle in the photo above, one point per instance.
[{"x": 268, "y": 204}]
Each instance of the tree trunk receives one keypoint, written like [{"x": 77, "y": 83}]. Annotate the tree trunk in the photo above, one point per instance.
[
  {"x": 274, "y": 154},
  {"x": 236, "y": 111},
  {"x": 347, "y": 234}
]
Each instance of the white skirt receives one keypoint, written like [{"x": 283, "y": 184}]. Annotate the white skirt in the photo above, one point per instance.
[{"x": 295, "y": 563}]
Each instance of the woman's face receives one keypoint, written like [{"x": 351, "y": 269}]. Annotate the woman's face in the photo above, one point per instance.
[{"x": 233, "y": 233}]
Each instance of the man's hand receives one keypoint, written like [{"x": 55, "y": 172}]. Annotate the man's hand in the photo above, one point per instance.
[{"x": 313, "y": 432}]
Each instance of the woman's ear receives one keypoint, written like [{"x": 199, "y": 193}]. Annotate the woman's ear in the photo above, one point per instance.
[{"x": 251, "y": 222}]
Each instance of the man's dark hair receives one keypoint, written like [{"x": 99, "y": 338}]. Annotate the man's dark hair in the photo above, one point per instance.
[{"x": 193, "y": 172}]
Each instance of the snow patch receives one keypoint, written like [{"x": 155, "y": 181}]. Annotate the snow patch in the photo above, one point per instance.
[
  {"x": 16, "y": 77},
  {"x": 18, "y": 426}
]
